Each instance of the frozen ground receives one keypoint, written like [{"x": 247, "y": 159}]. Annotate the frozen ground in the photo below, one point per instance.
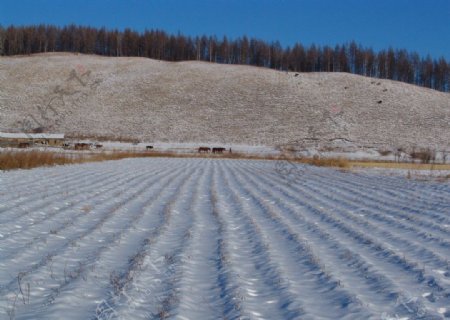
[{"x": 215, "y": 239}]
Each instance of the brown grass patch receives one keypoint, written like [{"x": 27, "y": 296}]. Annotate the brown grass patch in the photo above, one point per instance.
[
  {"x": 328, "y": 162},
  {"x": 10, "y": 160},
  {"x": 29, "y": 159}
]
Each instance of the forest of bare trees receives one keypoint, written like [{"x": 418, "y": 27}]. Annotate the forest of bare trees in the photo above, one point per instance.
[{"x": 394, "y": 64}]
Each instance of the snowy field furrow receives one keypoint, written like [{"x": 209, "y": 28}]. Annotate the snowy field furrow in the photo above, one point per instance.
[
  {"x": 304, "y": 271},
  {"x": 61, "y": 242},
  {"x": 390, "y": 225},
  {"x": 24, "y": 203},
  {"x": 262, "y": 288},
  {"x": 221, "y": 239},
  {"x": 284, "y": 214},
  {"x": 394, "y": 260},
  {"x": 402, "y": 213},
  {"x": 163, "y": 251},
  {"x": 349, "y": 256},
  {"x": 119, "y": 255},
  {"x": 32, "y": 216},
  {"x": 355, "y": 272},
  {"x": 411, "y": 197}
]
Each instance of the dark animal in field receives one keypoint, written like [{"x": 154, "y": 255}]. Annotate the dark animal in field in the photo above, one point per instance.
[
  {"x": 379, "y": 101},
  {"x": 82, "y": 146},
  {"x": 204, "y": 149},
  {"x": 38, "y": 130},
  {"x": 149, "y": 147},
  {"x": 218, "y": 150},
  {"x": 98, "y": 146},
  {"x": 24, "y": 144}
]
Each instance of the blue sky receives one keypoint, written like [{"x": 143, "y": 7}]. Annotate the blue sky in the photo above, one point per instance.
[{"x": 422, "y": 26}]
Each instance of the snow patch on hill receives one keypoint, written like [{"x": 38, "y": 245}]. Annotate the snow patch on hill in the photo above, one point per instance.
[{"x": 203, "y": 102}]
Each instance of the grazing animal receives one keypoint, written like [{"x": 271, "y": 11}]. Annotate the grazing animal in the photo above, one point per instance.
[
  {"x": 204, "y": 149},
  {"x": 218, "y": 150},
  {"x": 24, "y": 144},
  {"x": 98, "y": 146},
  {"x": 149, "y": 147},
  {"x": 82, "y": 146}
]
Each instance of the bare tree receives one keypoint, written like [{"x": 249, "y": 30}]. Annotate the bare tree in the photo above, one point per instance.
[
  {"x": 445, "y": 153},
  {"x": 391, "y": 64}
]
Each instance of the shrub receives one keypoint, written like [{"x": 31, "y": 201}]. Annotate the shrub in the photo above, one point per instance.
[
  {"x": 384, "y": 152},
  {"x": 425, "y": 156}
]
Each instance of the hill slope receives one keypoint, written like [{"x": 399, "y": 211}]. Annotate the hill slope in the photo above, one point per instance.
[{"x": 202, "y": 102}]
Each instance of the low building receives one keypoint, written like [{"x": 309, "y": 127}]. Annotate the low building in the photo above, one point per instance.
[{"x": 32, "y": 139}]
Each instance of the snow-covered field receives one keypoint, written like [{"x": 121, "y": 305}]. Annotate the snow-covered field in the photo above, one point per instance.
[
  {"x": 192, "y": 101},
  {"x": 221, "y": 239}
]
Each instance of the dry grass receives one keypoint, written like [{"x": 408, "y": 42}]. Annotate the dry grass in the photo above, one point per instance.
[
  {"x": 32, "y": 159},
  {"x": 29, "y": 159},
  {"x": 318, "y": 162},
  {"x": 329, "y": 162},
  {"x": 10, "y": 160}
]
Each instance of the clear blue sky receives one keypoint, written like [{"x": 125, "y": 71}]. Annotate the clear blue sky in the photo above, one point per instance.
[{"x": 420, "y": 25}]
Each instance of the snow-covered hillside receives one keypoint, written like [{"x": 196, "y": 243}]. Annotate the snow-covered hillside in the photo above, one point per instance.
[
  {"x": 215, "y": 239},
  {"x": 203, "y": 102}
]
